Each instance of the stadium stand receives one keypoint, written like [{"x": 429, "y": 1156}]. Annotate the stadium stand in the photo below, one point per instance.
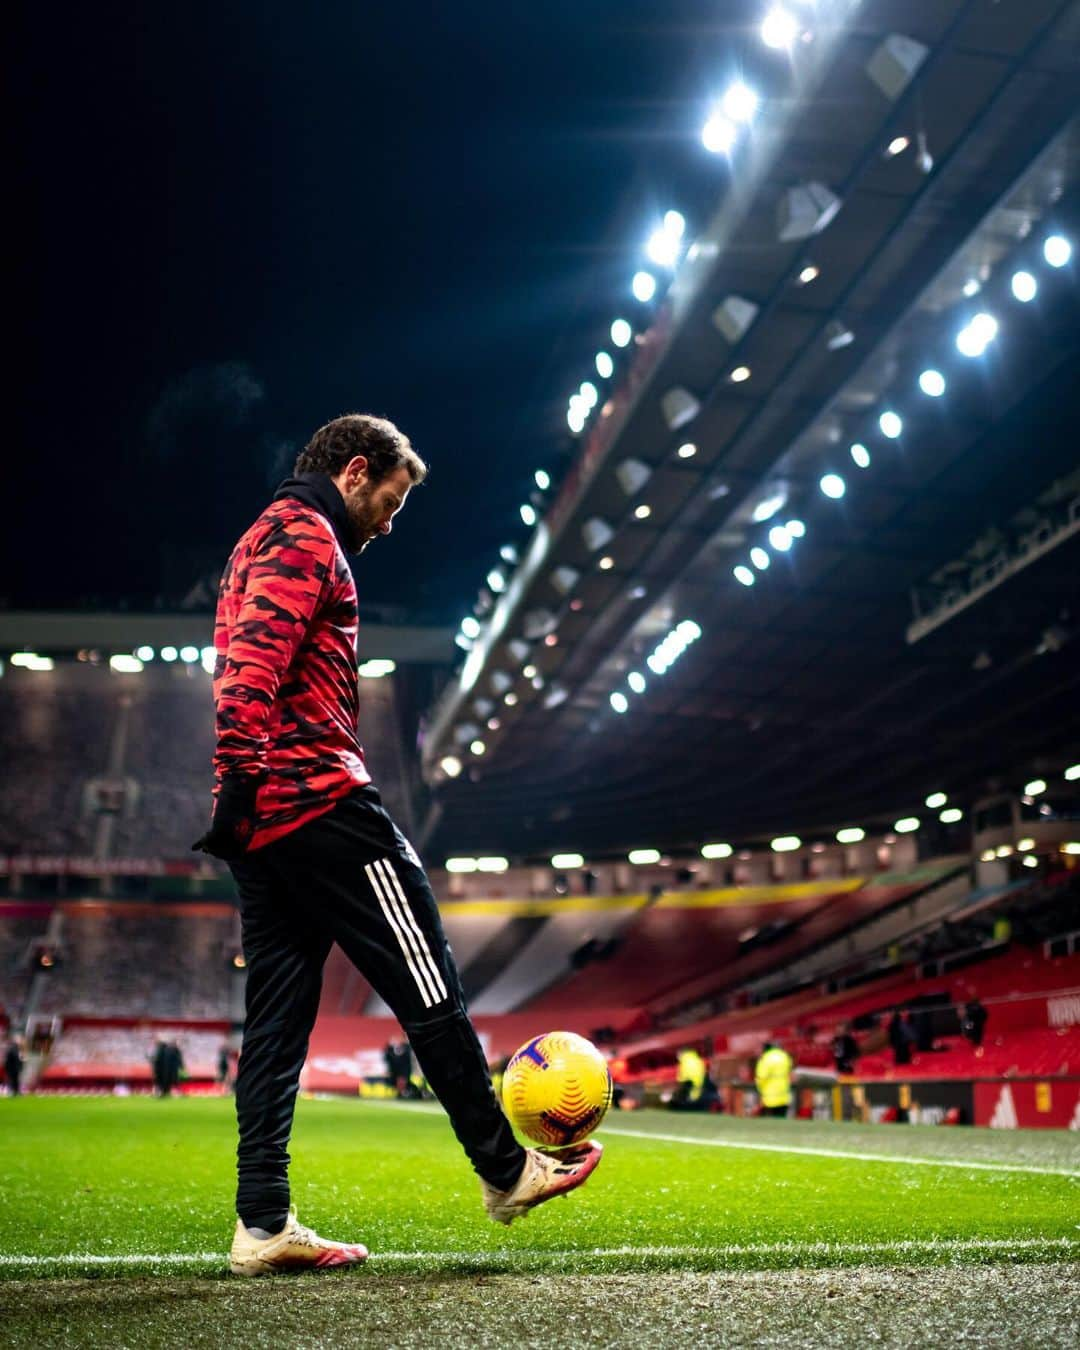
[
  {"x": 52, "y": 738},
  {"x": 92, "y": 1052},
  {"x": 150, "y": 960},
  {"x": 82, "y": 745},
  {"x": 21, "y": 927}
]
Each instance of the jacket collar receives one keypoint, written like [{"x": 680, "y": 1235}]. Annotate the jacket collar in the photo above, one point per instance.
[{"x": 318, "y": 490}]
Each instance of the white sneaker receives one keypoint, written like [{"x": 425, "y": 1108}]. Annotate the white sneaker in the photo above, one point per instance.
[
  {"x": 545, "y": 1175},
  {"x": 294, "y": 1248}
]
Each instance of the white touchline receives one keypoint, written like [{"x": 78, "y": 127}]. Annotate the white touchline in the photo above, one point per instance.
[
  {"x": 539, "y": 1255},
  {"x": 425, "y": 1108},
  {"x": 902, "y": 1160}
]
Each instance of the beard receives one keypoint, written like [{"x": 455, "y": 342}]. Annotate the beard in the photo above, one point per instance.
[{"x": 361, "y": 515}]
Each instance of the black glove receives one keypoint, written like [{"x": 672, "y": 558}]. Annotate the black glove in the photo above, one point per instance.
[{"x": 233, "y": 824}]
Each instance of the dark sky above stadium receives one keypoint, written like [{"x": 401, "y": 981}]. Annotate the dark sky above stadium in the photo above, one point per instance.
[{"x": 238, "y": 221}]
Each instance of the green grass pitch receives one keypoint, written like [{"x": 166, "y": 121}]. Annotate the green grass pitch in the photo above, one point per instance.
[{"x": 116, "y": 1215}]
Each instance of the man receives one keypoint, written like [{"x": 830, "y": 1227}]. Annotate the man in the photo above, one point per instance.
[
  {"x": 901, "y": 1035},
  {"x": 13, "y": 1066},
  {"x": 973, "y": 1021},
  {"x": 316, "y": 858},
  {"x": 772, "y": 1076},
  {"x": 845, "y": 1049}
]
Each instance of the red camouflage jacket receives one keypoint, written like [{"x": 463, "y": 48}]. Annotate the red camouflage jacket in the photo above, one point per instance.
[{"x": 285, "y": 678}]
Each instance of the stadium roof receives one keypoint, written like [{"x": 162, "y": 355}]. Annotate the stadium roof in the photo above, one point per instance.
[{"x": 919, "y": 634}]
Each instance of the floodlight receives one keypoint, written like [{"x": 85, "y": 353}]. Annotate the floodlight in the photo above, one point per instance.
[
  {"x": 492, "y": 864},
  {"x": 127, "y": 665},
  {"x": 744, "y": 574},
  {"x": 450, "y": 765},
  {"x": 687, "y": 451},
  {"x": 1057, "y": 250},
  {"x": 1024, "y": 286},
  {"x": 169, "y": 653},
  {"x": 716, "y": 850},
  {"x": 779, "y": 29},
  {"x": 496, "y": 581},
  {"x": 470, "y": 626},
  {"x": 461, "y": 864},
  {"x": 589, "y": 393},
  {"x": 897, "y": 146},
  {"x": 951, "y": 815},
  {"x": 477, "y": 747},
  {"x": 527, "y": 513},
  {"x": 740, "y": 103},
  {"x": 662, "y": 248},
  {"x": 619, "y": 701},
  {"x": 891, "y": 423},
  {"x": 936, "y": 799},
  {"x": 932, "y": 383},
  {"x": 853, "y": 834},
  {"x": 605, "y": 366},
  {"x": 643, "y": 286},
  {"x": 621, "y": 333},
  {"x": 541, "y": 477},
  {"x": 809, "y": 273},
  {"x": 575, "y": 418},
  {"x": 833, "y": 486},
  {"x": 780, "y": 538},
  {"x": 642, "y": 512},
  {"x": 787, "y": 843},
  {"x": 759, "y": 558},
  {"x": 796, "y": 529},
  {"x": 1025, "y": 845},
  {"x": 642, "y": 857},
  {"x": 1072, "y": 773},
  {"x": 567, "y": 861},
  {"x": 860, "y": 455},
  {"x": 1036, "y": 786},
  {"x": 189, "y": 654},
  {"x": 718, "y": 134},
  {"x": 977, "y": 334},
  {"x": 907, "y": 825},
  {"x": 144, "y": 653},
  {"x": 636, "y": 681},
  {"x": 740, "y": 374},
  {"x": 775, "y": 499}
]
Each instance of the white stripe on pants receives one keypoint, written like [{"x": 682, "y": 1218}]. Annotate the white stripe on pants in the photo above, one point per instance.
[{"x": 413, "y": 944}]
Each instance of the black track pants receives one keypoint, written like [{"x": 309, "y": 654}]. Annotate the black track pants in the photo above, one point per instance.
[{"x": 349, "y": 877}]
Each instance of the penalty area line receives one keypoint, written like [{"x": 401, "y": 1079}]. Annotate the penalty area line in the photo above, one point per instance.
[{"x": 540, "y": 1256}]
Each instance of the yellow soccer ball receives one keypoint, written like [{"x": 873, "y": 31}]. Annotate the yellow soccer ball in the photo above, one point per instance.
[{"x": 556, "y": 1089}]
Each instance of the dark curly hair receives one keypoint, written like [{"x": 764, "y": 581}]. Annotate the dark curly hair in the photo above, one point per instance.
[{"x": 380, "y": 442}]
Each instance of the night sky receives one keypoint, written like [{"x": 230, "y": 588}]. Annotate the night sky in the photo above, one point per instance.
[{"x": 237, "y": 221}]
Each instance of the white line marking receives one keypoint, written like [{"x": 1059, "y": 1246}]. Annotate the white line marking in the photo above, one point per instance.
[
  {"x": 901, "y": 1160},
  {"x": 904, "y": 1246}
]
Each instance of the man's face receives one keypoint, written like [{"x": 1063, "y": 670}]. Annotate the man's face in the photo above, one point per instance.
[{"x": 373, "y": 506}]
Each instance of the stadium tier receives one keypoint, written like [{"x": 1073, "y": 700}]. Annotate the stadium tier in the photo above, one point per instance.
[
  {"x": 101, "y": 1053},
  {"x": 97, "y": 765},
  {"x": 146, "y": 960}
]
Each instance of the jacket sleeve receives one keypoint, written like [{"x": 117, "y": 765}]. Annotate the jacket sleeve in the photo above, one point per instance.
[{"x": 287, "y": 576}]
